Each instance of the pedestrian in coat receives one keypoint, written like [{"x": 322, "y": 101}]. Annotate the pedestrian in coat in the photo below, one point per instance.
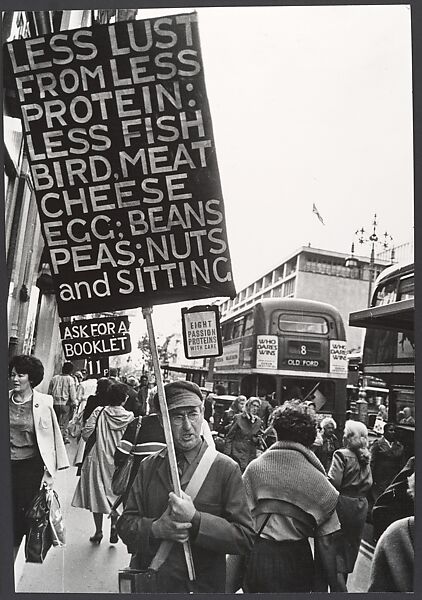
[
  {"x": 350, "y": 474},
  {"x": 393, "y": 565},
  {"x": 216, "y": 523},
  {"x": 37, "y": 450},
  {"x": 132, "y": 403},
  {"x": 327, "y": 443},
  {"x": 236, "y": 408},
  {"x": 63, "y": 389},
  {"x": 85, "y": 410},
  {"x": 245, "y": 433},
  {"x": 93, "y": 492},
  {"x": 387, "y": 459}
]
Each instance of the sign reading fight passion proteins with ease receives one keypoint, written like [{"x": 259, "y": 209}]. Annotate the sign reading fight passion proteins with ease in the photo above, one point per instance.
[
  {"x": 120, "y": 144},
  {"x": 88, "y": 338}
]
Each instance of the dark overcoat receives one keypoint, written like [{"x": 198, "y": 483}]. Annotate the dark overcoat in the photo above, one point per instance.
[{"x": 226, "y": 525}]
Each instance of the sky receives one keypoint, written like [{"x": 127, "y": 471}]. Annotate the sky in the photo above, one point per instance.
[{"x": 309, "y": 105}]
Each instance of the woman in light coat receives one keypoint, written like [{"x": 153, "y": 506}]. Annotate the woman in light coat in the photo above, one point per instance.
[
  {"x": 37, "y": 450},
  {"x": 93, "y": 492}
]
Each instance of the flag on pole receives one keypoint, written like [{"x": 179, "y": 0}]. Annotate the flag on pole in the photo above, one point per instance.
[{"x": 315, "y": 210}]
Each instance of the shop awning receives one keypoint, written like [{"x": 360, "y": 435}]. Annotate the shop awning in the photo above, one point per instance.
[{"x": 397, "y": 316}]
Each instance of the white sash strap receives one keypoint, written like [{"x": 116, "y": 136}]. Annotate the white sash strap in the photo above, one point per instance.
[{"x": 192, "y": 490}]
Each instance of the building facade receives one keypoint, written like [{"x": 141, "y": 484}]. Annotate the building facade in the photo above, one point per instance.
[{"x": 315, "y": 274}]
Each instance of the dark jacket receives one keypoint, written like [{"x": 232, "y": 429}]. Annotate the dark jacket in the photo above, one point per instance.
[
  {"x": 325, "y": 451},
  {"x": 225, "y": 525},
  {"x": 243, "y": 439},
  {"x": 386, "y": 462},
  {"x": 133, "y": 403},
  {"x": 91, "y": 404}
]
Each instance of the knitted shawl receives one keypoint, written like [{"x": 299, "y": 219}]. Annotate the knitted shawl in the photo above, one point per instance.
[{"x": 291, "y": 472}]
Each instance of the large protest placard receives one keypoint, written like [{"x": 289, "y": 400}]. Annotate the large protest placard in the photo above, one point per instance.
[
  {"x": 108, "y": 336},
  {"x": 120, "y": 144}
]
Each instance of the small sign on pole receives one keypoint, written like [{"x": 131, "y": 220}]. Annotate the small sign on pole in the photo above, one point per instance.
[{"x": 201, "y": 332}]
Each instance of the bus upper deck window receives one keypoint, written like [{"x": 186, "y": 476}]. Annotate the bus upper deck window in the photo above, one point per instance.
[
  {"x": 406, "y": 288},
  {"x": 386, "y": 294},
  {"x": 299, "y": 323}
]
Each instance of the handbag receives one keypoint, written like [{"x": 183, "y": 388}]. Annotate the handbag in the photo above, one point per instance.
[
  {"x": 121, "y": 475},
  {"x": 133, "y": 581},
  {"x": 39, "y": 537}
]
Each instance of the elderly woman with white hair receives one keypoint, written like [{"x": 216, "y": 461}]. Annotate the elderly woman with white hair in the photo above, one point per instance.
[
  {"x": 327, "y": 443},
  {"x": 350, "y": 474}
]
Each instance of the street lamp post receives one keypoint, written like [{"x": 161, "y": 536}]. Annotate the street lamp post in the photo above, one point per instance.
[{"x": 385, "y": 241}]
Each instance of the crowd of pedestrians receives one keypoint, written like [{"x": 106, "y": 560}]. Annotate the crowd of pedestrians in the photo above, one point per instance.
[{"x": 249, "y": 511}]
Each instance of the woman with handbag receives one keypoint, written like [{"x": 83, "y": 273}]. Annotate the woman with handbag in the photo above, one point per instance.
[
  {"x": 107, "y": 424},
  {"x": 36, "y": 444}
]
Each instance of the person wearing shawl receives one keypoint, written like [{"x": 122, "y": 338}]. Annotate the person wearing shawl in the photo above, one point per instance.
[
  {"x": 93, "y": 492},
  {"x": 288, "y": 485},
  {"x": 243, "y": 437}
]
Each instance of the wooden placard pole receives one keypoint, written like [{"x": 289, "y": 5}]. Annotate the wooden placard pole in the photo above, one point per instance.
[{"x": 147, "y": 313}]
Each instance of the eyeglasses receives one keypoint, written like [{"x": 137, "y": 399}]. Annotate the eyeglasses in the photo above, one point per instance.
[{"x": 180, "y": 417}]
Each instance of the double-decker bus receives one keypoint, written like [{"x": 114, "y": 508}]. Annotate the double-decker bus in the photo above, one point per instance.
[
  {"x": 389, "y": 347},
  {"x": 286, "y": 348}
]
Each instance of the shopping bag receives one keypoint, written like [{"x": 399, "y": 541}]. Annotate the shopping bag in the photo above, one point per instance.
[
  {"x": 58, "y": 532},
  {"x": 39, "y": 536}
]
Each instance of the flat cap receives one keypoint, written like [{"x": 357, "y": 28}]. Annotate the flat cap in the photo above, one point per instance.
[{"x": 182, "y": 393}]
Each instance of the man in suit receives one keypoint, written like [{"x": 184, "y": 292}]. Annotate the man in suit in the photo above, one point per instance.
[
  {"x": 216, "y": 523},
  {"x": 63, "y": 389}
]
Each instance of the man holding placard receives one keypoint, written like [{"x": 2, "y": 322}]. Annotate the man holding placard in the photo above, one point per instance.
[{"x": 211, "y": 513}]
